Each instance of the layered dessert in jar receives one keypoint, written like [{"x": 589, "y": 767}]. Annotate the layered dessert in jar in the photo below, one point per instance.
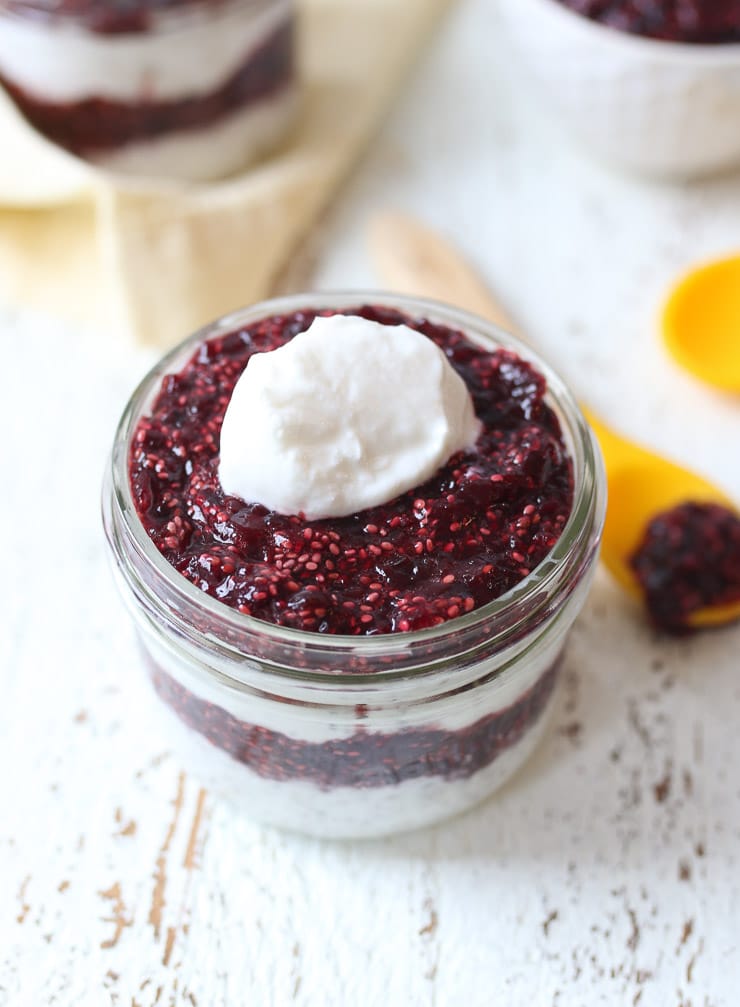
[
  {"x": 354, "y": 537},
  {"x": 705, "y": 22},
  {"x": 193, "y": 89}
]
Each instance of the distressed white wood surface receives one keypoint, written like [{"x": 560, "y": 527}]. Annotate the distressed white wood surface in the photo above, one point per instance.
[{"x": 606, "y": 873}]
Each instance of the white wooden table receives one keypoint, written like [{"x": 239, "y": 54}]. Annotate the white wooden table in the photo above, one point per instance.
[{"x": 606, "y": 873}]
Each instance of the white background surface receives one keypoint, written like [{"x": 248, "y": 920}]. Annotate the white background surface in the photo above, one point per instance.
[{"x": 606, "y": 873}]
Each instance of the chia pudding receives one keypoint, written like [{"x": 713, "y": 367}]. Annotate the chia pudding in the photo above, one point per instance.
[
  {"x": 689, "y": 560},
  {"x": 183, "y": 88},
  {"x": 693, "y": 21},
  {"x": 373, "y": 672}
]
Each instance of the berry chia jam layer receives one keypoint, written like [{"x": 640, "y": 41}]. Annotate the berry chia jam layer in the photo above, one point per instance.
[
  {"x": 693, "y": 21},
  {"x": 366, "y": 758},
  {"x": 467, "y": 536}
]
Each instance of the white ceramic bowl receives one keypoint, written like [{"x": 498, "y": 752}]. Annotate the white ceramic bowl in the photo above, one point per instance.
[{"x": 657, "y": 108}]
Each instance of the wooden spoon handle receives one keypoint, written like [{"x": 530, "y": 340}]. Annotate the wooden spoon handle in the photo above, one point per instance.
[{"x": 413, "y": 259}]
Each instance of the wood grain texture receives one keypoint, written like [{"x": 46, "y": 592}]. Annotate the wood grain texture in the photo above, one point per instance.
[
  {"x": 411, "y": 258},
  {"x": 604, "y": 874}
]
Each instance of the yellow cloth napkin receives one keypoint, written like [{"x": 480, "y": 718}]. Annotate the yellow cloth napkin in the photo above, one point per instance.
[{"x": 155, "y": 260}]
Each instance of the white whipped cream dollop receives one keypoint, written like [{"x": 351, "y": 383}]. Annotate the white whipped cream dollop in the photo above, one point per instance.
[{"x": 345, "y": 416}]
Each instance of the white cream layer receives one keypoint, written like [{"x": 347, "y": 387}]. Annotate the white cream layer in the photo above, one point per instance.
[{"x": 186, "y": 53}]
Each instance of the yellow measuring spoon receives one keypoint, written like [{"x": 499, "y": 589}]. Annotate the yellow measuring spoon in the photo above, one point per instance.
[
  {"x": 413, "y": 259},
  {"x": 701, "y": 323}
]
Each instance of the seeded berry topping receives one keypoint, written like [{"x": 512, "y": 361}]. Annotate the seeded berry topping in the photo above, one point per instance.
[
  {"x": 689, "y": 560},
  {"x": 465, "y": 537},
  {"x": 697, "y": 21}
]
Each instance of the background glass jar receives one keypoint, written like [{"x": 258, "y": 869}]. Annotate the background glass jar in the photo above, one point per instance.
[
  {"x": 354, "y": 736},
  {"x": 191, "y": 89}
]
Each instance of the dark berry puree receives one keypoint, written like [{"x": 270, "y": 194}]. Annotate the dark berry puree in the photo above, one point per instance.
[
  {"x": 108, "y": 17},
  {"x": 697, "y": 21},
  {"x": 96, "y": 125},
  {"x": 689, "y": 560},
  {"x": 367, "y": 758},
  {"x": 467, "y": 536}
]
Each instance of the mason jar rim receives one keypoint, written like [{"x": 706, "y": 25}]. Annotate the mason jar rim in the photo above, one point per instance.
[{"x": 521, "y": 603}]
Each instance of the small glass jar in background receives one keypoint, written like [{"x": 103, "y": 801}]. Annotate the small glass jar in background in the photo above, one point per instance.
[
  {"x": 187, "y": 89},
  {"x": 354, "y": 736}
]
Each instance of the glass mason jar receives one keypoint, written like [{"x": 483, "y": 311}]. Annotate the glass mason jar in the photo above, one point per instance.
[
  {"x": 186, "y": 89},
  {"x": 354, "y": 736}
]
